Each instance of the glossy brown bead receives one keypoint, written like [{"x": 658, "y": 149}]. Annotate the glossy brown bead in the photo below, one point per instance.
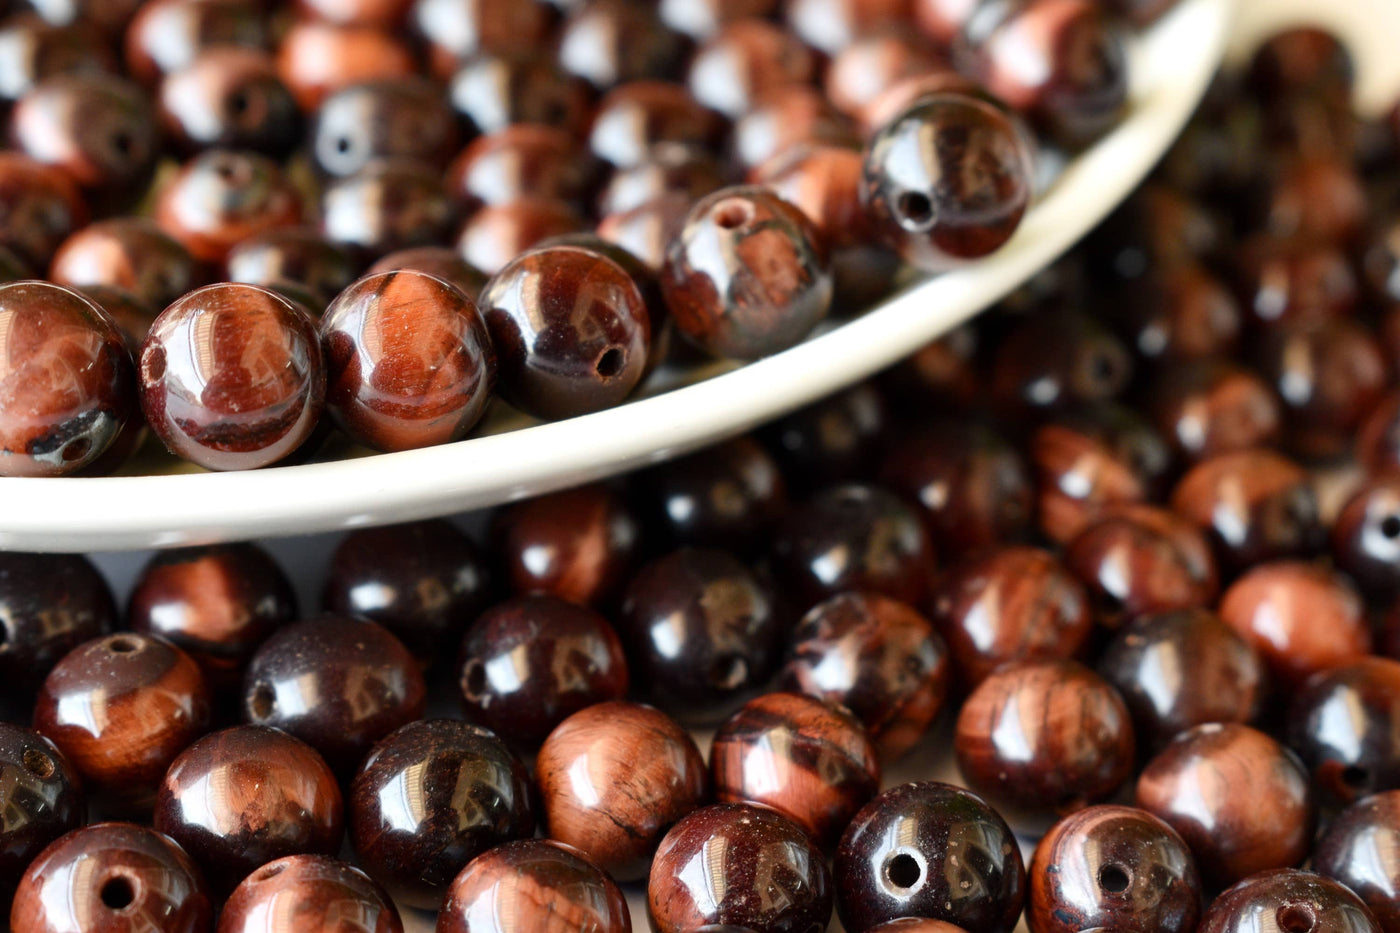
[
  {"x": 744, "y": 60},
  {"x": 1136, "y": 559},
  {"x": 522, "y": 161},
  {"x": 1345, "y": 725},
  {"x": 877, "y": 657},
  {"x": 237, "y": 799},
  {"x": 1366, "y": 537},
  {"x": 228, "y": 97},
  {"x": 1288, "y": 280},
  {"x": 391, "y": 205},
  {"x": 632, "y": 120},
  {"x": 1239, "y": 799},
  {"x": 496, "y": 235},
  {"x": 130, "y": 253},
  {"x": 396, "y": 118},
  {"x": 1378, "y": 439},
  {"x": 49, "y": 604},
  {"x": 67, "y": 386},
  {"x": 423, "y": 581},
  {"x": 729, "y": 495},
  {"x": 775, "y": 878},
  {"x": 1213, "y": 406},
  {"x": 578, "y": 545},
  {"x": 1016, "y": 603},
  {"x": 222, "y": 414},
  {"x": 41, "y": 206},
  {"x": 120, "y": 708},
  {"x": 292, "y": 254},
  {"x": 1114, "y": 868},
  {"x": 1071, "y": 743},
  {"x": 1317, "y": 196},
  {"x": 339, "y": 684},
  {"x": 458, "y": 29},
  {"x": 221, "y": 198},
  {"x": 533, "y": 884},
  {"x": 1179, "y": 312},
  {"x": 1255, "y": 505},
  {"x": 613, "y": 779},
  {"x": 1176, "y": 670},
  {"x": 1361, "y": 849},
  {"x": 747, "y": 275},
  {"x": 1302, "y": 618},
  {"x": 824, "y": 182},
  {"x": 834, "y": 439},
  {"x": 701, "y": 632},
  {"x": 168, "y": 35},
  {"x": 799, "y": 117},
  {"x": 938, "y": 203},
  {"x": 1054, "y": 360},
  {"x": 867, "y": 67},
  {"x": 116, "y": 877},
  {"x": 611, "y": 42},
  {"x": 315, "y": 60},
  {"x": 41, "y": 796},
  {"x": 215, "y": 603},
  {"x": 40, "y": 49},
  {"x": 829, "y": 25},
  {"x": 571, "y": 331},
  {"x": 809, "y": 760},
  {"x": 431, "y": 797},
  {"x": 494, "y": 91},
  {"x": 439, "y": 261},
  {"x": 647, "y": 231},
  {"x": 929, "y": 850},
  {"x": 1288, "y": 900},
  {"x": 702, "y": 19},
  {"x": 313, "y": 891}
]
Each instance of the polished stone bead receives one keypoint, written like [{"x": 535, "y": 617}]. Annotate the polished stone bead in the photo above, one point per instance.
[
  {"x": 298, "y": 255},
  {"x": 533, "y": 884},
  {"x": 745, "y": 59},
  {"x": 1345, "y": 725},
  {"x": 393, "y": 118},
  {"x": 1290, "y": 280},
  {"x": 525, "y": 160},
  {"x": 498, "y": 234},
  {"x": 130, "y": 253},
  {"x": 456, "y": 30},
  {"x": 1214, "y": 406},
  {"x": 833, "y": 440},
  {"x": 1361, "y": 849},
  {"x": 440, "y": 261},
  {"x": 794, "y": 140},
  {"x": 49, "y": 604},
  {"x": 1056, "y": 360},
  {"x": 1366, "y": 537},
  {"x": 222, "y": 197},
  {"x": 1289, "y": 901},
  {"x": 634, "y": 119},
  {"x": 317, "y": 59},
  {"x": 167, "y": 35},
  {"x": 730, "y": 496},
  {"x": 229, "y": 97},
  {"x": 42, "y": 798},
  {"x": 610, "y": 42},
  {"x": 494, "y": 91},
  {"x": 313, "y": 892},
  {"x": 389, "y": 206}
]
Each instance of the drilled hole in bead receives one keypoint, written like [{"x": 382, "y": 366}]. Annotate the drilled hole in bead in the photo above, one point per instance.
[
  {"x": 344, "y": 144},
  {"x": 733, "y": 213},
  {"x": 728, "y": 671},
  {"x": 38, "y": 764},
  {"x": 123, "y": 645},
  {"x": 1355, "y": 777},
  {"x": 1390, "y": 526},
  {"x": 915, "y": 208},
  {"x": 1103, "y": 369},
  {"x": 77, "y": 450},
  {"x": 238, "y": 103},
  {"x": 117, "y": 892},
  {"x": 1114, "y": 879},
  {"x": 610, "y": 363},
  {"x": 153, "y": 365},
  {"x": 1296, "y": 918},
  {"x": 261, "y": 701},
  {"x": 123, "y": 143},
  {"x": 474, "y": 679},
  {"x": 269, "y": 871},
  {"x": 903, "y": 871}
]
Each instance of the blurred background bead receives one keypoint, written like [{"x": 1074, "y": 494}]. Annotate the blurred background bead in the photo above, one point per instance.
[
  {"x": 632, "y": 120},
  {"x": 222, "y": 197},
  {"x": 456, "y": 30},
  {"x": 315, "y": 60},
  {"x": 1366, "y": 537},
  {"x": 1378, "y": 440},
  {"x": 166, "y": 36},
  {"x": 42, "y": 798},
  {"x": 494, "y": 91},
  {"x": 837, "y": 438},
  {"x": 532, "y": 884},
  {"x": 829, "y": 25},
  {"x": 229, "y": 97},
  {"x": 743, "y": 60},
  {"x": 521, "y": 161},
  {"x": 292, "y": 254},
  {"x": 40, "y": 49},
  {"x": 1214, "y": 406},
  {"x": 496, "y": 235},
  {"x": 1055, "y": 360},
  {"x": 42, "y": 207},
  {"x": 308, "y": 889},
  {"x": 871, "y": 63},
  {"x": 1361, "y": 849},
  {"x": 730, "y": 495},
  {"x": 1294, "y": 900},
  {"x": 797, "y": 117},
  {"x": 392, "y": 118},
  {"x": 49, "y": 604},
  {"x": 1345, "y": 725},
  {"x": 390, "y": 205},
  {"x": 610, "y": 42},
  {"x": 1179, "y": 312},
  {"x": 706, "y": 17},
  {"x": 130, "y": 253},
  {"x": 1292, "y": 280},
  {"x": 440, "y": 261}
]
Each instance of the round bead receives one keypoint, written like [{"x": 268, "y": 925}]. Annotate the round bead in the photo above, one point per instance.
[
  {"x": 1238, "y": 798},
  {"x": 430, "y": 798},
  {"x": 339, "y": 684},
  {"x": 1044, "y": 736},
  {"x": 833, "y": 440},
  {"x": 775, "y": 877},
  {"x": 1345, "y": 725},
  {"x": 130, "y": 253},
  {"x": 1114, "y": 868},
  {"x": 608, "y": 42},
  {"x": 409, "y": 362},
  {"x": 1182, "y": 313},
  {"x": 1289, "y": 901},
  {"x": 312, "y": 891},
  {"x": 728, "y": 496},
  {"x": 237, "y": 799},
  {"x": 494, "y": 91},
  {"x": 116, "y": 878},
  {"x": 1366, "y": 537},
  {"x": 1361, "y": 849},
  {"x": 497, "y": 234},
  {"x": 215, "y": 603},
  {"x": 1378, "y": 440},
  {"x": 533, "y": 884},
  {"x": 1292, "y": 280},
  {"x": 220, "y": 413},
  {"x": 796, "y": 142},
  {"x": 521, "y": 161},
  {"x": 458, "y": 29},
  {"x": 571, "y": 331},
  {"x": 67, "y": 386},
  {"x": 167, "y": 35},
  {"x": 297, "y": 255},
  {"x": 393, "y": 118},
  {"x": 440, "y": 261},
  {"x": 41, "y": 205},
  {"x": 770, "y": 287},
  {"x": 633, "y": 121},
  {"x": 42, "y": 47},
  {"x": 315, "y": 60},
  {"x": 929, "y": 850},
  {"x": 1214, "y": 406},
  {"x": 1058, "y": 359},
  {"x": 221, "y": 198},
  {"x": 121, "y": 708},
  {"x": 49, "y": 604},
  {"x": 41, "y": 797},
  {"x": 388, "y": 206},
  {"x": 877, "y": 657},
  {"x": 229, "y": 97},
  {"x": 744, "y": 60}
]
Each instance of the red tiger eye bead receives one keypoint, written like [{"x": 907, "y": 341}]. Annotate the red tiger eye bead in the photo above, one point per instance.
[
  {"x": 168, "y": 35},
  {"x": 793, "y": 116},
  {"x": 391, "y": 118},
  {"x": 1366, "y": 537},
  {"x": 1378, "y": 440},
  {"x": 130, "y": 253},
  {"x": 200, "y": 394},
  {"x": 390, "y": 205},
  {"x": 870, "y": 64},
  {"x": 1180, "y": 312},
  {"x": 39, "y": 49},
  {"x": 730, "y": 496},
  {"x": 1287, "y": 280},
  {"x": 221, "y": 198},
  {"x": 1319, "y": 196},
  {"x": 458, "y": 29},
  {"x": 498, "y": 234},
  {"x": 439, "y": 261},
  {"x": 829, "y": 25},
  {"x": 298, "y": 255},
  {"x": 1215, "y": 406},
  {"x": 1288, "y": 900},
  {"x": 1361, "y": 849},
  {"x": 41, "y": 205},
  {"x": 700, "y": 19},
  {"x": 1345, "y": 725},
  {"x": 49, "y": 604},
  {"x": 312, "y": 890},
  {"x": 520, "y": 161},
  {"x": 631, "y": 120},
  {"x": 315, "y": 59},
  {"x": 1058, "y": 359},
  {"x": 495, "y": 91},
  {"x": 610, "y": 42},
  {"x": 824, "y": 183},
  {"x": 42, "y": 798},
  {"x": 745, "y": 59}
]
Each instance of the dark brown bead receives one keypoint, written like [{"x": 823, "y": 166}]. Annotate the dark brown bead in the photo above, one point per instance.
[
  {"x": 1213, "y": 406},
  {"x": 121, "y": 708},
  {"x": 700, "y": 19},
  {"x": 614, "y": 778},
  {"x": 1292, "y": 280},
  {"x": 809, "y": 760},
  {"x": 1238, "y": 798},
  {"x": 1255, "y": 504},
  {"x": 743, "y": 61},
  {"x": 130, "y": 253},
  {"x": 1300, "y": 60},
  {"x": 521, "y": 161},
  {"x": 237, "y": 799},
  {"x": 339, "y": 684},
  {"x": 40, "y": 50},
  {"x": 132, "y": 316},
  {"x": 439, "y": 261},
  {"x": 668, "y": 168},
  {"x": 423, "y": 581},
  {"x": 116, "y": 878},
  {"x": 1056, "y": 360},
  {"x": 1366, "y": 537},
  {"x": 49, "y": 604},
  {"x": 940, "y": 203},
  {"x": 221, "y": 198},
  {"x": 829, "y": 25},
  {"x": 579, "y": 545},
  {"x": 929, "y": 850},
  {"x": 1345, "y": 725},
  {"x": 495, "y": 91},
  {"x": 40, "y": 206},
  {"x": 701, "y": 632},
  {"x": 1361, "y": 849},
  {"x": 430, "y": 798},
  {"x": 1014, "y": 604},
  {"x": 391, "y": 205},
  {"x": 1318, "y": 197},
  {"x": 775, "y": 878},
  {"x": 852, "y": 537},
  {"x": 1136, "y": 559},
  {"x": 796, "y": 117},
  {"x": 832, "y": 440},
  {"x": 1380, "y": 258},
  {"x": 221, "y": 414},
  {"x": 1180, "y": 312},
  {"x": 533, "y": 884},
  {"x": 229, "y": 97},
  {"x": 315, "y": 60},
  {"x": 300, "y": 255},
  {"x": 1288, "y": 900},
  {"x": 824, "y": 182},
  {"x": 41, "y": 797},
  {"x": 1378, "y": 439},
  {"x": 409, "y": 361},
  {"x": 571, "y": 331},
  {"x": 1302, "y": 618},
  {"x": 730, "y": 496},
  {"x": 394, "y": 118},
  {"x": 870, "y": 64},
  {"x": 313, "y": 891},
  {"x": 1181, "y": 669},
  {"x": 611, "y": 42},
  {"x": 648, "y": 230},
  {"x": 1114, "y": 868},
  {"x": 215, "y": 603},
  {"x": 632, "y": 120},
  {"x": 67, "y": 385},
  {"x": 166, "y": 36},
  {"x": 877, "y": 657},
  {"x": 496, "y": 235},
  {"x": 1162, "y": 237},
  {"x": 1044, "y": 736},
  {"x": 456, "y": 30}
]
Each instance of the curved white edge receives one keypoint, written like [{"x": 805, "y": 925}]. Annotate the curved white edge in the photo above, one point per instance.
[{"x": 1171, "y": 66}]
